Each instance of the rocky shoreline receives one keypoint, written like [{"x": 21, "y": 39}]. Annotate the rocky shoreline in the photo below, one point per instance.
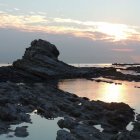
[
  {"x": 40, "y": 62},
  {"x": 31, "y": 84}
]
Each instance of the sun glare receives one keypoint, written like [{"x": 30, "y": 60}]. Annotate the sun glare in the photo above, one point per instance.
[
  {"x": 112, "y": 93},
  {"x": 117, "y": 31}
]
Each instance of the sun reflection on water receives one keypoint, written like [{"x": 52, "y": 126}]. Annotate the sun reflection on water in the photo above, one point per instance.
[
  {"x": 111, "y": 93},
  {"x": 106, "y": 92}
]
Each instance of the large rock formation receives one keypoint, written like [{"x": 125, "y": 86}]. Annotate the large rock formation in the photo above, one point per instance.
[
  {"x": 41, "y": 59},
  {"x": 40, "y": 62}
]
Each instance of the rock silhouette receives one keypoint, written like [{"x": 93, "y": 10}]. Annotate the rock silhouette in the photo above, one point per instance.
[
  {"x": 40, "y": 62},
  {"x": 41, "y": 59}
]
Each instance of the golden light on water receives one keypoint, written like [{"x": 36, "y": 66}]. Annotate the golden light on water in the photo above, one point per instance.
[
  {"x": 104, "y": 91},
  {"x": 111, "y": 93},
  {"x": 96, "y": 91}
]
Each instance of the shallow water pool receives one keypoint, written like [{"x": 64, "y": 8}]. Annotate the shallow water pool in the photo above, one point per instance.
[
  {"x": 39, "y": 129},
  {"x": 127, "y": 92}
]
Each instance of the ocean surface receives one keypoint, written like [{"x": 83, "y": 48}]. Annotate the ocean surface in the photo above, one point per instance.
[
  {"x": 4, "y": 65},
  {"x": 127, "y": 92}
]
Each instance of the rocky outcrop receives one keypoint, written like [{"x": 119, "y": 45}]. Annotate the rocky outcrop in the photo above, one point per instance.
[
  {"x": 136, "y": 69},
  {"x": 40, "y": 63},
  {"x": 41, "y": 59}
]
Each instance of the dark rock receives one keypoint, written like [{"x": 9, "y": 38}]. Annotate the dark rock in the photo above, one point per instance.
[
  {"x": 123, "y": 136},
  {"x": 84, "y": 132},
  {"x": 40, "y": 62},
  {"x": 42, "y": 47},
  {"x": 85, "y": 98},
  {"x": 68, "y": 123},
  {"x": 136, "y": 69},
  {"x": 50, "y": 102},
  {"x": 8, "y": 113},
  {"x": 135, "y": 135},
  {"x": 136, "y": 126},
  {"x": 41, "y": 59},
  {"x": 21, "y": 131},
  {"x": 64, "y": 135},
  {"x": 138, "y": 117}
]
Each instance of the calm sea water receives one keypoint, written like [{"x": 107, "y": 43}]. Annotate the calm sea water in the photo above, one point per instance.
[
  {"x": 127, "y": 92},
  {"x": 39, "y": 129},
  {"x": 4, "y": 65},
  {"x": 93, "y": 65},
  {"x": 47, "y": 129}
]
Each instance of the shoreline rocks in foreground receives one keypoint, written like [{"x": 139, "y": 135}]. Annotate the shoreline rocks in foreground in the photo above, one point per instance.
[
  {"x": 27, "y": 86},
  {"x": 17, "y": 101}
]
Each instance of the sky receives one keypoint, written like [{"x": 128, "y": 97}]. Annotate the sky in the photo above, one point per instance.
[{"x": 84, "y": 31}]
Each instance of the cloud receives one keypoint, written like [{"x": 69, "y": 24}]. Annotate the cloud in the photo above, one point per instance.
[
  {"x": 16, "y": 9},
  {"x": 39, "y": 22},
  {"x": 42, "y": 13},
  {"x": 32, "y": 12},
  {"x": 7, "y": 20},
  {"x": 117, "y": 31}
]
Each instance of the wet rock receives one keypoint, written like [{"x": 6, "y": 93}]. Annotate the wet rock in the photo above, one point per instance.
[
  {"x": 4, "y": 128},
  {"x": 136, "y": 126},
  {"x": 21, "y": 131},
  {"x": 68, "y": 123},
  {"x": 136, "y": 68},
  {"x": 123, "y": 136},
  {"x": 84, "y": 132},
  {"x": 135, "y": 135},
  {"x": 41, "y": 59},
  {"x": 51, "y": 102},
  {"x": 138, "y": 117},
  {"x": 45, "y": 113},
  {"x": 8, "y": 114},
  {"x": 64, "y": 135}
]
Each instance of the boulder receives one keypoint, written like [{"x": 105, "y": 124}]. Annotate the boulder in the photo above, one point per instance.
[
  {"x": 41, "y": 59},
  {"x": 41, "y": 47},
  {"x": 64, "y": 135},
  {"x": 21, "y": 131}
]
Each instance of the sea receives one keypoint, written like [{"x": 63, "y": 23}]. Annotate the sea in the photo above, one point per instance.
[{"x": 127, "y": 92}]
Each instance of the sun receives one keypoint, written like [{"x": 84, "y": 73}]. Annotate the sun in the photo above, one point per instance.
[{"x": 116, "y": 31}]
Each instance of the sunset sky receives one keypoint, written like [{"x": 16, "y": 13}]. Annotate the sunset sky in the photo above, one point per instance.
[{"x": 85, "y": 31}]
